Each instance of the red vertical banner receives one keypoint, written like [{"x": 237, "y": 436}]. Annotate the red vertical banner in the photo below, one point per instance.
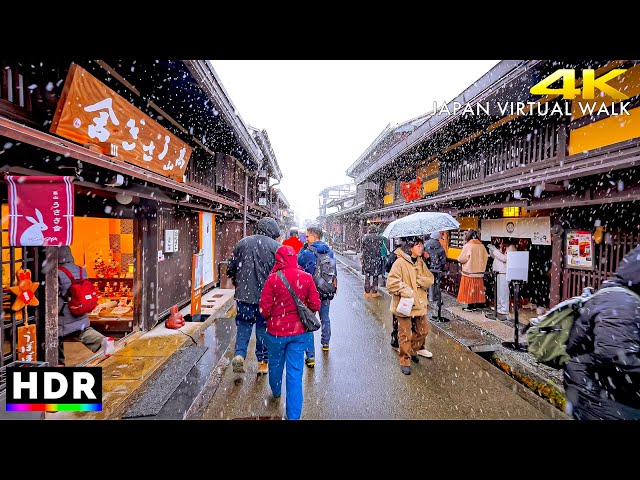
[{"x": 40, "y": 211}]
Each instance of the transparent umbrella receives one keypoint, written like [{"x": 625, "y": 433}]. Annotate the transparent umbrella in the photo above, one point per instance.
[{"x": 420, "y": 223}]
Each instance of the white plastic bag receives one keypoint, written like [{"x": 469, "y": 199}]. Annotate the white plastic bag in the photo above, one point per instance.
[{"x": 405, "y": 305}]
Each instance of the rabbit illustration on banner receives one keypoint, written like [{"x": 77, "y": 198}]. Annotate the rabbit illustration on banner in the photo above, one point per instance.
[{"x": 32, "y": 236}]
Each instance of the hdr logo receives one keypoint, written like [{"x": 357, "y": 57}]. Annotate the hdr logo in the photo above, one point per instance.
[
  {"x": 52, "y": 389},
  {"x": 589, "y": 84}
]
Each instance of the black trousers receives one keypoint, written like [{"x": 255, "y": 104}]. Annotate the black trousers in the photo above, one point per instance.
[{"x": 371, "y": 282}]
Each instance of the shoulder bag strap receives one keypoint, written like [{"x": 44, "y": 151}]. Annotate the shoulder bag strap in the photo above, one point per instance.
[
  {"x": 68, "y": 273},
  {"x": 288, "y": 285}
]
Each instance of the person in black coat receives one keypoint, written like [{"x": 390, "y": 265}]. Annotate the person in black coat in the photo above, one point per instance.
[
  {"x": 372, "y": 261},
  {"x": 602, "y": 377},
  {"x": 436, "y": 263},
  {"x": 250, "y": 265},
  {"x": 390, "y": 261}
]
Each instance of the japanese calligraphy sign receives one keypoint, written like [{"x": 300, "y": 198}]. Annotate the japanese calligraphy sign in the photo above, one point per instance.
[
  {"x": 89, "y": 112},
  {"x": 40, "y": 211},
  {"x": 27, "y": 351}
]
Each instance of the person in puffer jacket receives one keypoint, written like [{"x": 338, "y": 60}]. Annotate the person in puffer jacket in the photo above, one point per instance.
[
  {"x": 602, "y": 377},
  {"x": 286, "y": 337}
]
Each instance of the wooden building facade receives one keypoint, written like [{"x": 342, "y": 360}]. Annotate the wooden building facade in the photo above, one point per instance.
[
  {"x": 128, "y": 207},
  {"x": 568, "y": 166}
]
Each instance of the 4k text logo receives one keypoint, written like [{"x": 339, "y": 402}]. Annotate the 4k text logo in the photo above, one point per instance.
[{"x": 589, "y": 84}]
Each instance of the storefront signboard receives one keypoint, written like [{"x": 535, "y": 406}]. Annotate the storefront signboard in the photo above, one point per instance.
[
  {"x": 538, "y": 229},
  {"x": 89, "y": 112},
  {"x": 579, "y": 249},
  {"x": 40, "y": 211}
]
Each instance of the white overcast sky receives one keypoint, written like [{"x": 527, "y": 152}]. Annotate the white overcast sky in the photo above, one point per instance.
[{"x": 321, "y": 115}]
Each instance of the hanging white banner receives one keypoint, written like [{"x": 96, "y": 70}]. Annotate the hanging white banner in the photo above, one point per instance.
[{"x": 538, "y": 229}]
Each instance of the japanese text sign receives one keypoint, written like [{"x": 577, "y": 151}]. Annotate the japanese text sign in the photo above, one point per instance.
[
  {"x": 27, "y": 351},
  {"x": 89, "y": 112},
  {"x": 40, "y": 211}
]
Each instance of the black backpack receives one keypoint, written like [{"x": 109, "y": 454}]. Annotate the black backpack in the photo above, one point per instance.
[{"x": 326, "y": 275}]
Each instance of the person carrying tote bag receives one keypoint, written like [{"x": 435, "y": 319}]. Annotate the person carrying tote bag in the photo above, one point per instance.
[{"x": 408, "y": 282}]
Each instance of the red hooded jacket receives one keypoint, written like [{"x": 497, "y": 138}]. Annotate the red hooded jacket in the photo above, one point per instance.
[
  {"x": 294, "y": 242},
  {"x": 276, "y": 303}
]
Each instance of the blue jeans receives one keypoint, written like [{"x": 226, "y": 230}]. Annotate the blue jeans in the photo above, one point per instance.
[
  {"x": 248, "y": 314},
  {"x": 291, "y": 351},
  {"x": 325, "y": 329}
]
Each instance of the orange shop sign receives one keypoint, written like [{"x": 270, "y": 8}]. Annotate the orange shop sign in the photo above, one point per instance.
[{"x": 89, "y": 112}]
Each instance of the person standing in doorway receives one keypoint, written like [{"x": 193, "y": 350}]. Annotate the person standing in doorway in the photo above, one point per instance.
[
  {"x": 251, "y": 262},
  {"x": 474, "y": 261},
  {"x": 286, "y": 337},
  {"x": 293, "y": 241},
  {"x": 499, "y": 255},
  {"x": 371, "y": 245},
  {"x": 307, "y": 259}
]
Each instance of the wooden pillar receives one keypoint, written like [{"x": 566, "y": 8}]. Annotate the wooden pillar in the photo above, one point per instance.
[
  {"x": 562, "y": 141},
  {"x": 556, "y": 264},
  {"x": 244, "y": 209},
  {"x": 145, "y": 286},
  {"x": 51, "y": 307}
]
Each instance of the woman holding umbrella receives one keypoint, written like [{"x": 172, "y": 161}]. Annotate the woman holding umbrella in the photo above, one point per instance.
[{"x": 408, "y": 282}]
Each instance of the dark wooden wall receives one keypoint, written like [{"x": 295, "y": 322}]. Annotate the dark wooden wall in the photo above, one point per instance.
[
  {"x": 228, "y": 234},
  {"x": 174, "y": 272}
]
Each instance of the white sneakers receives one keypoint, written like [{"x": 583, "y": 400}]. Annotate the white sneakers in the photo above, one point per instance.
[
  {"x": 108, "y": 346},
  {"x": 425, "y": 353}
]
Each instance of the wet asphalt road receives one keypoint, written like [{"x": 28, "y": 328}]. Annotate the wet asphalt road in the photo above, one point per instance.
[{"x": 360, "y": 377}]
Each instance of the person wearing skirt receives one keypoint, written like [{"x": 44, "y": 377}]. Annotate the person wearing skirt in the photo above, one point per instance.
[{"x": 474, "y": 262}]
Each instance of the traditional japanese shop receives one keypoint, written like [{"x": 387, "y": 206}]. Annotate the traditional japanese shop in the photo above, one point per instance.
[{"x": 105, "y": 247}]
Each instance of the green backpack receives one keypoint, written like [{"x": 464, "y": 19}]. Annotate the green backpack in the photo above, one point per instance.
[{"x": 548, "y": 337}]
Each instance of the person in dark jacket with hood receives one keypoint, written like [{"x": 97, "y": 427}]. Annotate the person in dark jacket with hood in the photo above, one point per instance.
[
  {"x": 69, "y": 325},
  {"x": 371, "y": 245},
  {"x": 307, "y": 260},
  {"x": 250, "y": 264},
  {"x": 602, "y": 377},
  {"x": 286, "y": 337}
]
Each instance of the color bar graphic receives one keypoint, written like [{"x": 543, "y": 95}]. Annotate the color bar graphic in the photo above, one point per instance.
[{"x": 54, "y": 407}]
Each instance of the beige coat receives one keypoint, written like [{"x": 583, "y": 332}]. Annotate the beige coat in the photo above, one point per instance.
[
  {"x": 407, "y": 279},
  {"x": 473, "y": 258}
]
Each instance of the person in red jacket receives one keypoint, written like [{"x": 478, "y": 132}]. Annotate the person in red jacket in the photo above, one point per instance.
[
  {"x": 293, "y": 240},
  {"x": 286, "y": 337}
]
